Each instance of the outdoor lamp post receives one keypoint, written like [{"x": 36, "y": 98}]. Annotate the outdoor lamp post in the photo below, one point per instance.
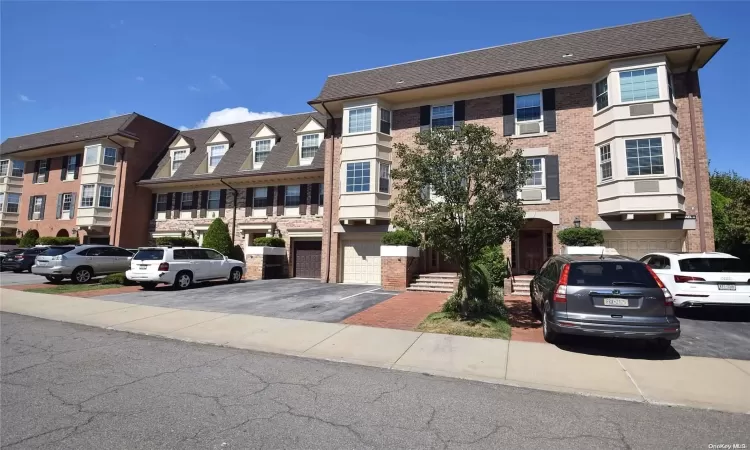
[{"x": 577, "y": 223}]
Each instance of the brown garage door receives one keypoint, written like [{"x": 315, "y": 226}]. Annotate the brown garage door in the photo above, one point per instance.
[{"x": 307, "y": 259}]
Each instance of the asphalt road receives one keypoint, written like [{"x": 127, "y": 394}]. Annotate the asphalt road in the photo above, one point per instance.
[
  {"x": 68, "y": 386},
  {"x": 8, "y": 278}
]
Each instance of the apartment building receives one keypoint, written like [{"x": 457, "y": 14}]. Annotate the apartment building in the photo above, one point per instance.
[
  {"x": 263, "y": 178},
  {"x": 81, "y": 180},
  {"x": 610, "y": 120}
]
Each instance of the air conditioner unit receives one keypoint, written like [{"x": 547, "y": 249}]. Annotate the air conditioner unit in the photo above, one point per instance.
[
  {"x": 36, "y": 216},
  {"x": 529, "y": 128},
  {"x": 531, "y": 195}
]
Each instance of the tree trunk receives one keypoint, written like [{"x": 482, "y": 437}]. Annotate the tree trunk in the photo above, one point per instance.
[{"x": 465, "y": 286}]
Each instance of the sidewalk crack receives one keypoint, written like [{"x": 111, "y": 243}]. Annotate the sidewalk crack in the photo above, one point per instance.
[
  {"x": 407, "y": 349},
  {"x": 632, "y": 380}
]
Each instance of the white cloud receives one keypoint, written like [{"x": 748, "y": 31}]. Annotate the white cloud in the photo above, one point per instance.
[
  {"x": 234, "y": 115},
  {"x": 192, "y": 88},
  {"x": 139, "y": 78},
  {"x": 24, "y": 98},
  {"x": 219, "y": 82},
  {"x": 183, "y": 128}
]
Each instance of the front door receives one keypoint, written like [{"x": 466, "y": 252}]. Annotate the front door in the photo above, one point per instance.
[{"x": 531, "y": 249}]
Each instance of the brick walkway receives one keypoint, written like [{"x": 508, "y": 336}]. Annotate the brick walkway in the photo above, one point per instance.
[
  {"x": 404, "y": 311},
  {"x": 524, "y": 326}
]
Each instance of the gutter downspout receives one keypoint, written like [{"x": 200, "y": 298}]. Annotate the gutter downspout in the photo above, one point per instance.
[
  {"x": 693, "y": 86},
  {"x": 329, "y": 192},
  {"x": 234, "y": 209}
]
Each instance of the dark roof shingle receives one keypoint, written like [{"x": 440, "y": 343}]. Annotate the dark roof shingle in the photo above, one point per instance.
[{"x": 637, "y": 38}]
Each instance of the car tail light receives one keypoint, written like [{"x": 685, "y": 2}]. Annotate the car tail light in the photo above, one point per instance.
[
  {"x": 686, "y": 279},
  {"x": 667, "y": 295},
  {"x": 164, "y": 267},
  {"x": 562, "y": 285},
  {"x": 19, "y": 256}
]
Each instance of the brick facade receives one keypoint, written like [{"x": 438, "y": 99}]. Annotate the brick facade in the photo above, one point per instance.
[{"x": 397, "y": 272}]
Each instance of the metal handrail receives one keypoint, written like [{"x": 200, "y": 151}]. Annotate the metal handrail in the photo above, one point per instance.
[{"x": 510, "y": 273}]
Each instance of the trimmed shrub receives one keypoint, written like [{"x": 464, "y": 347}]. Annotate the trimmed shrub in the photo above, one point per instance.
[
  {"x": 492, "y": 258},
  {"x": 217, "y": 237},
  {"x": 581, "y": 237},
  {"x": 116, "y": 278},
  {"x": 29, "y": 239},
  {"x": 483, "y": 299},
  {"x": 401, "y": 237},
  {"x": 176, "y": 241},
  {"x": 269, "y": 242},
  {"x": 55, "y": 240},
  {"x": 8, "y": 240},
  {"x": 237, "y": 253}
]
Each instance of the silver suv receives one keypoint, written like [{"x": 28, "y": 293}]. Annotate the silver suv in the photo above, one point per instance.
[{"x": 81, "y": 263}]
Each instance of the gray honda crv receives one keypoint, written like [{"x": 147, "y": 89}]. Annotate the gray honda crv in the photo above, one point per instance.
[{"x": 610, "y": 296}]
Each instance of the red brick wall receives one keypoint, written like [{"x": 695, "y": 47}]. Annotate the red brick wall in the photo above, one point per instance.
[{"x": 330, "y": 266}]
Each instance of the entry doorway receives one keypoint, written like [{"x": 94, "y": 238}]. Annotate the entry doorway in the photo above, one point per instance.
[{"x": 532, "y": 247}]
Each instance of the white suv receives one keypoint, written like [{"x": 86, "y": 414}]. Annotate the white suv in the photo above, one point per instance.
[
  {"x": 698, "y": 279},
  {"x": 182, "y": 266}
]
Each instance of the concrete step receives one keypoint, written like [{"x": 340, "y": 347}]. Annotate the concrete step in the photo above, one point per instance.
[
  {"x": 429, "y": 289},
  {"x": 432, "y": 276}
]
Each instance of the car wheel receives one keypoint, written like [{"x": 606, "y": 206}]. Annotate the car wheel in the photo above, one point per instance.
[
  {"x": 82, "y": 275},
  {"x": 148, "y": 286},
  {"x": 549, "y": 334},
  {"x": 235, "y": 275},
  {"x": 661, "y": 345},
  {"x": 16, "y": 270},
  {"x": 183, "y": 280},
  {"x": 53, "y": 279}
]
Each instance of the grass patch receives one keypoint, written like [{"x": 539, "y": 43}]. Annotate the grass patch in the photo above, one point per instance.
[
  {"x": 66, "y": 288},
  {"x": 487, "y": 326}
]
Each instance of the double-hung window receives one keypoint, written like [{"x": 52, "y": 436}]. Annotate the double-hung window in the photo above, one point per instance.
[
  {"x": 43, "y": 173},
  {"x": 4, "y": 165},
  {"x": 358, "y": 177},
  {"x": 12, "y": 203},
  {"x": 91, "y": 155},
  {"x": 536, "y": 177},
  {"x": 110, "y": 156},
  {"x": 67, "y": 200},
  {"x": 644, "y": 156},
  {"x": 384, "y": 180},
  {"x": 215, "y": 153},
  {"x": 262, "y": 149},
  {"x": 2, "y": 201},
  {"x": 17, "y": 169},
  {"x": 385, "y": 121},
  {"x": 291, "y": 196},
  {"x": 38, "y": 207},
  {"x": 678, "y": 164},
  {"x": 529, "y": 107},
  {"x": 72, "y": 168},
  {"x": 605, "y": 162},
  {"x": 161, "y": 202},
  {"x": 87, "y": 195},
  {"x": 186, "y": 201},
  {"x": 178, "y": 156},
  {"x": 602, "y": 94},
  {"x": 260, "y": 197},
  {"x": 310, "y": 145},
  {"x": 214, "y": 199},
  {"x": 638, "y": 85},
  {"x": 105, "y": 195},
  {"x": 360, "y": 120},
  {"x": 442, "y": 116}
]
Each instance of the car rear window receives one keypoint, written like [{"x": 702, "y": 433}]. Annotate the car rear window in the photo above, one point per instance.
[
  {"x": 54, "y": 251},
  {"x": 610, "y": 273},
  {"x": 713, "y": 265},
  {"x": 149, "y": 254}
]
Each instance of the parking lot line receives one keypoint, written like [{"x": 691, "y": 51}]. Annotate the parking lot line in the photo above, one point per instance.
[{"x": 365, "y": 292}]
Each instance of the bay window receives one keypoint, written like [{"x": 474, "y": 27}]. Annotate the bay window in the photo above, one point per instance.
[
  {"x": 638, "y": 85},
  {"x": 17, "y": 170},
  {"x": 12, "y": 203},
  {"x": 605, "y": 162},
  {"x": 360, "y": 120},
  {"x": 385, "y": 121},
  {"x": 358, "y": 177},
  {"x": 384, "y": 180},
  {"x": 110, "y": 156},
  {"x": 4, "y": 165},
  {"x": 2, "y": 201},
  {"x": 644, "y": 156},
  {"x": 602, "y": 94},
  {"x": 91, "y": 155},
  {"x": 105, "y": 195},
  {"x": 87, "y": 195}
]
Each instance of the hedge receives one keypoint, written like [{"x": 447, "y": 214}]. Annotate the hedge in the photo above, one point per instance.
[
  {"x": 176, "y": 241},
  {"x": 8, "y": 240},
  {"x": 29, "y": 239},
  {"x": 401, "y": 237},
  {"x": 581, "y": 237},
  {"x": 54, "y": 240},
  {"x": 492, "y": 258},
  {"x": 269, "y": 242},
  {"x": 116, "y": 278}
]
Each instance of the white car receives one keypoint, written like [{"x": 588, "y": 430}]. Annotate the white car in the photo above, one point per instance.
[
  {"x": 698, "y": 279},
  {"x": 182, "y": 266}
]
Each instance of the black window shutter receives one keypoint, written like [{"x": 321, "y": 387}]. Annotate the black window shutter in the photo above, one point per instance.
[
  {"x": 169, "y": 205},
  {"x": 36, "y": 172},
  {"x": 64, "y": 170},
  {"x": 31, "y": 205},
  {"x": 314, "y": 194},
  {"x": 194, "y": 205},
  {"x": 425, "y": 114},
  {"x": 222, "y": 202},
  {"x": 548, "y": 102},
  {"x": 44, "y": 204},
  {"x": 280, "y": 200},
  {"x": 204, "y": 203},
  {"x": 248, "y": 201},
  {"x": 302, "y": 199},
  {"x": 459, "y": 114},
  {"x": 509, "y": 114},
  {"x": 269, "y": 205},
  {"x": 49, "y": 169},
  {"x": 177, "y": 203},
  {"x": 153, "y": 206},
  {"x": 552, "y": 167},
  {"x": 79, "y": 163},
  {"x": 72, "y": 204},
  {"x": 58, "y": 211}
]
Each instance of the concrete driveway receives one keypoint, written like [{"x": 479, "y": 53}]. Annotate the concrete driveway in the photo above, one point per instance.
[
  {"x": 9, "y": 278},
  {"x": 288, "y": 298}
]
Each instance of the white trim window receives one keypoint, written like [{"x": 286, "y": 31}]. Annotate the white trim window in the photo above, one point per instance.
[
  {"x": 4, "y": 165},
  {"x": 215, "y": 153},
  {"x": 536, "y": 177},
  {"x": 105, "y": 195},
  {"x": 260, "y": 197},
  {"x": 644, "y": 157},
  {"x": 601, "y": 90},
  {"x": 36, "y": 213},
  {"x": 358, "y": 176},
  {"x": 109, "y": 156},
  {"x": 17, "y": 170},
  {"x": 12, "y": 203},
  {"x": 310, "y": 146},
  {"x": 91, "y": 155},
  {"x": 677, "y": 161},
  {"x": 262, "y": 150},
  {"x": 67, "y": 203},
  {"x": 605, "y": 162},
  {"x": 43, "y": 173},
  {"x": 529, "y": 107},
  {"x": 442, "y": 116},
  {"x": 87, "y": 195},
  {"x": 385, "y": 121},
  {"x": 178, "y": 157},
  {"x": 360, "y": 120},
  {"x": 638, "y": 85},
  {"x": 161, "y": 202},
  {"x": 2, "y": 201},
  {"x": 72, "y": 167},
  {"x": 186, "y": 201},
  {"x": 384, "y": 178},
  {"x": 291, "y": 196},
  {"x": 214, "y": 199}
]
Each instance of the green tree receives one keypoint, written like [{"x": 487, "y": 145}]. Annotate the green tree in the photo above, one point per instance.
[
  {"x": 458, "y": 189},
  {"x": 217, "y": 237},
  {"x": 730, "y": 206},
  {"x": 29, "y": 239}
]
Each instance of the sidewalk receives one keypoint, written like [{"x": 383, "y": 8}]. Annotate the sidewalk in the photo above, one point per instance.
[{"x": 698, "y": 382}]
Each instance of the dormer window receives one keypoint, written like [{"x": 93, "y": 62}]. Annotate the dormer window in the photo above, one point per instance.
[
  {"x": 310, "y": 146},
  {"x": 262, "y": 150},
  {"x": 215, "y": 153},
  {"x": 178, "y": 156}
]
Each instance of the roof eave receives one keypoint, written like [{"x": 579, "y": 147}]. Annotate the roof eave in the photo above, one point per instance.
[
  {"x": 119, "y": 133},
  {"x": 237, "y": 175}
]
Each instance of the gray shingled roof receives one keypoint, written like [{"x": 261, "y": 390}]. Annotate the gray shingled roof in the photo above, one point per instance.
[
  {"x": 74, "y": 133},
  {"x": 238, "y": 152},
  {"x": 606, "y": 43}
]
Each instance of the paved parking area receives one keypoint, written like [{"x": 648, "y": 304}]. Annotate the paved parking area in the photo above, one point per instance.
[
  {"x": 10, "y": 278},
  {"x": 288, "y": 299}
]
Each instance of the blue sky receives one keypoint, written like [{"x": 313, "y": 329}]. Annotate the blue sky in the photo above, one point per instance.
[{"x": 179, "y": 62}]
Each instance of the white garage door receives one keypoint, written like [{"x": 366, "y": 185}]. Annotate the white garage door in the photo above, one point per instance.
[
  {"x": 638, "y": 243},
  {"x": 361, "y": 262}
]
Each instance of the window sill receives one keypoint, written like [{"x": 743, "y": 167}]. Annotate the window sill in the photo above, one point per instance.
[
  {"x": 69, "y": 181},
  {"x": 530, "y": 135},
  {"x": 538, "y": 202},
  {"x": 359, "y": 133}
]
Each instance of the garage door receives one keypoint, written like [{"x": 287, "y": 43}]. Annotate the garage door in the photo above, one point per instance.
[
  {"x": 307, "y": 259},
  {"x": 361, "y": 262},
  {"x": 638, "y": 243}
]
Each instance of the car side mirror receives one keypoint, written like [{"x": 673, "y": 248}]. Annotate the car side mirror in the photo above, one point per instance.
[{"x": 225, "y": 257}]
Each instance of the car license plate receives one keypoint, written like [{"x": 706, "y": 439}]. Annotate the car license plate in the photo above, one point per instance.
[
  {"x": 41, "y": 263},
  {"x": 143, "y": 267},
  {"x": 727, "y": 287},
  {"x": 615, "y": 302}
]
